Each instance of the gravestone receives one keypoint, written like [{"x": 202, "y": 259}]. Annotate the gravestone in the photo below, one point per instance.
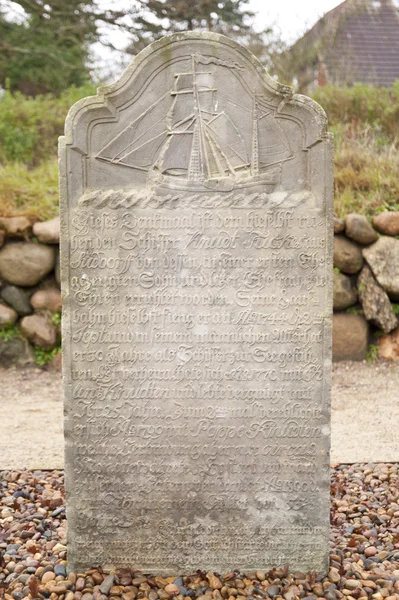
[{"x": 196, "y": 209}]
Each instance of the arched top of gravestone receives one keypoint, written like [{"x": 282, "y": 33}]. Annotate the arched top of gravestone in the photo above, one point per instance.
[{"x": 188, "y": 99}]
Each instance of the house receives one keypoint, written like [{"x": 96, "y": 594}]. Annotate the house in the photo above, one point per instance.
[{"x": 356, "y": 42}]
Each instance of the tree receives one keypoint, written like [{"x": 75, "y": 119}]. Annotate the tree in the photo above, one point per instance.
[
  {"x": 156, "y": 18},
  {"x": 47, "y": 48}
]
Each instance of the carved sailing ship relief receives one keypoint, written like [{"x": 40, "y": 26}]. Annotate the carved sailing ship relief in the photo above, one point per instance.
[{"x": 185, "y": 141}]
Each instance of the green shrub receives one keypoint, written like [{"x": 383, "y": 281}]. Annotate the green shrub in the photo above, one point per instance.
[
  {"x": 29, "y": 127},
  {"x": 362, "y": 105},
  {"x": 9, "y": 332},
  {"x": 43, "y": 357}
]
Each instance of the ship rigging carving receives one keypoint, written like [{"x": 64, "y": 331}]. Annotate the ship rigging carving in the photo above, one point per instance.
[{"x": 187, "y": 140}]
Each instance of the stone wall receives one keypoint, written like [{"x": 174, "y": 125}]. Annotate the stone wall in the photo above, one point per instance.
[
  {"x": 30, "y": 297},
  {"x": 366, "y": 289}
]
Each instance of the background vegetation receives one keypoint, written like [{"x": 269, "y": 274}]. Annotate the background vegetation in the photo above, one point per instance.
[
  {"x": 365, "y": 121},
  {"x": 46, "y": 66}
]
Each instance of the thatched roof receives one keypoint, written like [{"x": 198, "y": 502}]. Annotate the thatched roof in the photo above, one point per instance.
[{"x": 358, "y": 41}]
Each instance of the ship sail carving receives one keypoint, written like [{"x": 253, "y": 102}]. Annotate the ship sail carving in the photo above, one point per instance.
[{"x": 185, "y": 141}]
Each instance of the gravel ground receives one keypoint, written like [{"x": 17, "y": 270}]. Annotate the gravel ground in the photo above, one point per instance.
[
  {"x": 364, "y": 544},
  {"x": 365, "y": 402}
]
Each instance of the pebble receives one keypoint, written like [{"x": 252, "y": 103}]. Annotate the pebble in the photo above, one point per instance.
[
  {"x": 106, "y": 584},
  {"x": 364, "y": 543}
]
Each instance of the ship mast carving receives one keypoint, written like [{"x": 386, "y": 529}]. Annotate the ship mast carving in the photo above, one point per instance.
[{"x": 185, "y": 141}]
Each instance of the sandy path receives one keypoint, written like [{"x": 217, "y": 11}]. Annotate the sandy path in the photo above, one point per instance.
[{"x": 365, "y": 416}]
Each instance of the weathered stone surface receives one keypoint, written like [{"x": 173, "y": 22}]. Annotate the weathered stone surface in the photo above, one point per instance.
[
  {"x": 48, "y": 232},
  {"x": 48, "y": 299},
  {"x": 345, "y": 293},
  {"x": 375, "y": 301},
  {"x": 383, "y": 258},
  {"x": 388, "y": 346},
  {"x": 8, "y": 316},
  {"x": 57, "y": 269},
  {"x": 387, "y": 222},
  {"x": 197, "y": 281},
  {"x": 26, "y": 264},
  {"x": 339, "y": 225},
  {"x": 350, "y": 337},
  {"x": 18, "y": 227},
  {"x": 15, "y": 352},
  {"x": 347, "y": 255},
  {"x": 18, "y": 299},
  {"x": 40, "y": 331},
  {"x": 359, "y": 229}
]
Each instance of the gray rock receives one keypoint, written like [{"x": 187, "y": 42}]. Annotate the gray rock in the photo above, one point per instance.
[
  {"x": 387, "y": 222},
  {"x": 359, "y": 229},
  {"x": 48, "y": 232},
  {"x": 339, "y": 225},
  {"x": 383, "y": 258},
  {"x": 107, "y": 584},
  {"x": 350, "y": 337},
  {"x": 8, "y": 316},
  {"x": 26, "y": 264},
  {"x": 18, "y": 299},
  {"x": 15, "y": 352},
  {"x": 40, "y": 331},
  {"x": 347, "y": 255},
  {"x": 375, "y": 301},
  {"x": 60, "y": 570},
  {"x": 345, "y": 293}
]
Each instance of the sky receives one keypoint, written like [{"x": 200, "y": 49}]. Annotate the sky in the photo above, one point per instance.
[{"x": 293, "y": 17}]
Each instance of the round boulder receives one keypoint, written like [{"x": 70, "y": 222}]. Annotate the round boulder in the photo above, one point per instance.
[
  {"x": 15, "y": 352},
  {"x": 345, "y": 293},
  {"x": 383, "y": 258},
  {"x": 387, "y": 222},
  {"x": 40, "y": 331},
  {"x": 350, "y": 337},
  {"x": 339, "y": 225},
  {"x": 359, "y": 229},
  {"x": 47, "y": 299},
  {"x": 8, "y": 316},
  {"x": 48, "y": 232},
  {"x": 347, "y": 255},
  {"x": 26, "y": 264},
  {"x": 388, "y": 346},
  {"x": 16, "y": 226}
]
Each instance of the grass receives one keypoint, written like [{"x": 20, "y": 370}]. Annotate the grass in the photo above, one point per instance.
[
  {"x": 366, "y": 172},
  {"x": 32, "y": 192}
]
